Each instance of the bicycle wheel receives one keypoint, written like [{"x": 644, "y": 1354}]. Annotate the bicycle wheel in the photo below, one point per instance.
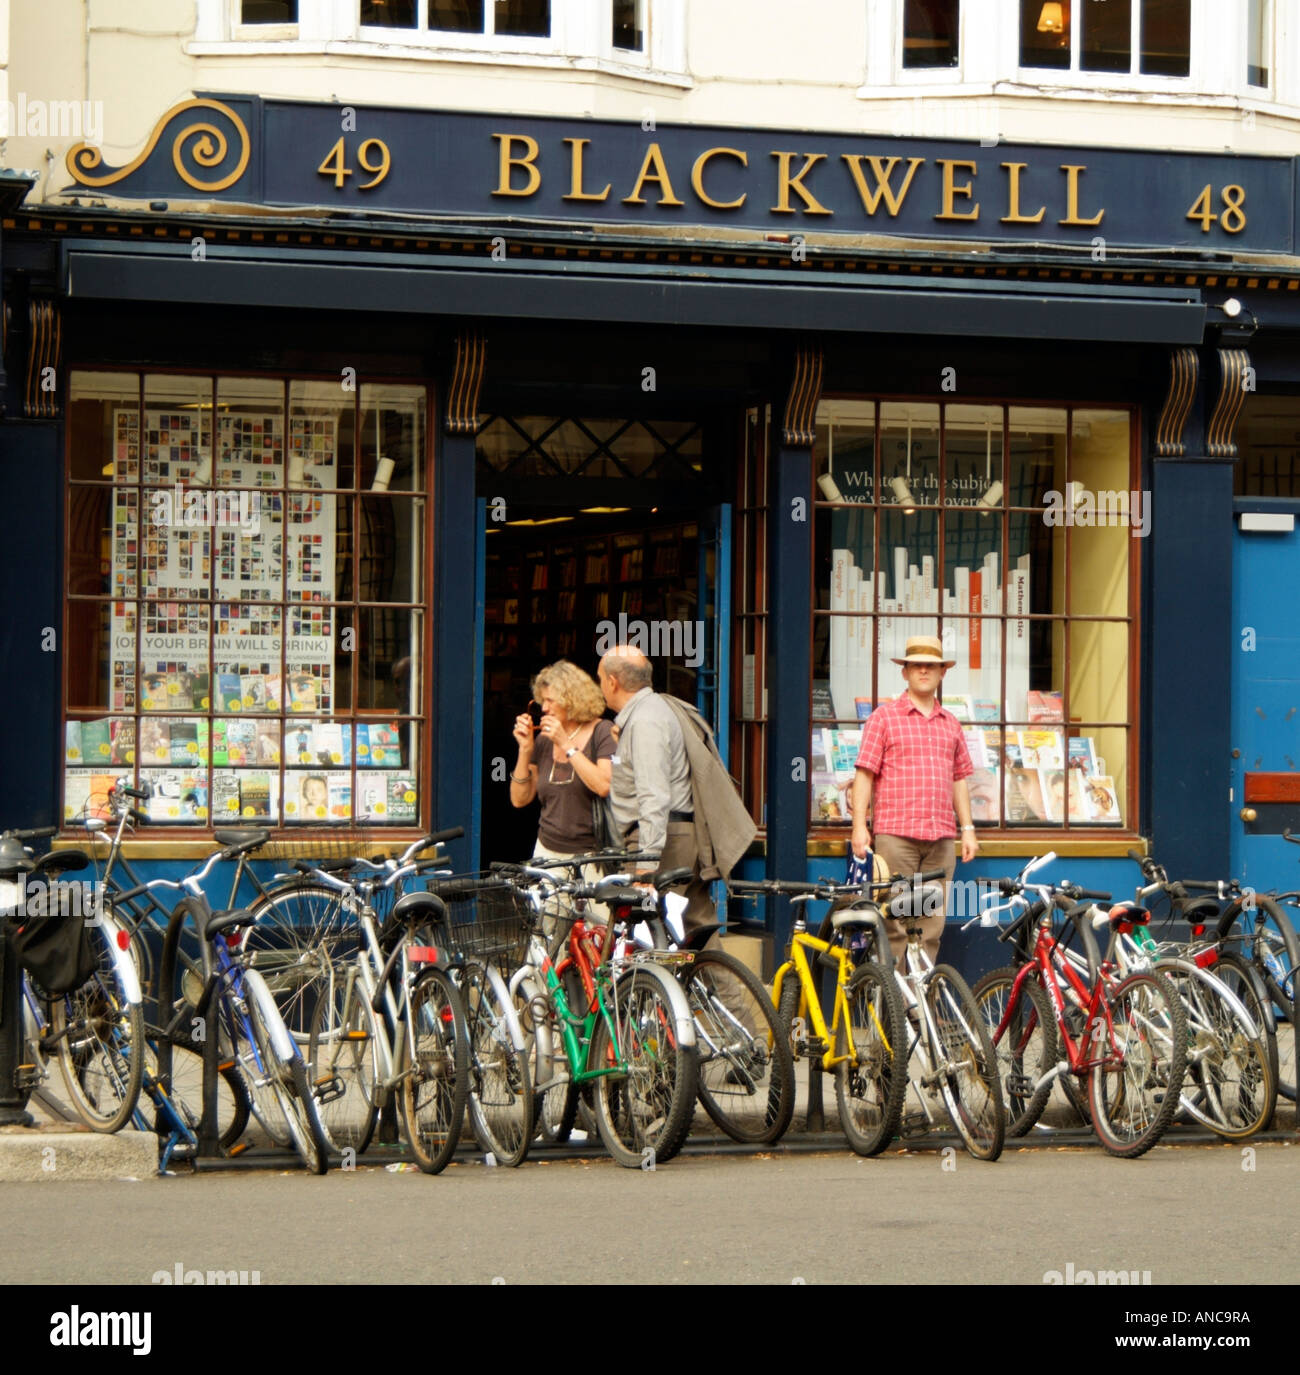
[
  {"x": 302, "y": 932},
  {"x": 788, "y": 1009},
  {"x": 1136, "y": 1086},
  {"x": 746, "y": 1070},
  {"x": 1027, "y": 1049},
  {"x": 101, "y": 1043},
  {"x": 436, "y": 1079},
  {"x": 187, "y": 1095},
  {"x": 1244, "y": 980},
  {"x": 870, "y": 1088},
  {"x": 555, "y": 1095},
  {"x": 643, "y": 1110},
  {"x": 1274, "y": 949},
  {"x": 288, "y": 1081},
  {"x": 1230, "y": 1085},
  {"x": 343, "y": 1064},
  {"x": 500, "y": 1090},
  {"x": 970, "y": 1087}
]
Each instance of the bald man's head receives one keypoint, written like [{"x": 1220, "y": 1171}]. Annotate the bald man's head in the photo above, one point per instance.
[{"x": 623, "y": 672}]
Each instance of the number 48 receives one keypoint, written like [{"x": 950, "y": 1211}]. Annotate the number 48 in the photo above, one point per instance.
[
  {"x": 335, "y": 163},
  {"x": 1233, "y": 220}
]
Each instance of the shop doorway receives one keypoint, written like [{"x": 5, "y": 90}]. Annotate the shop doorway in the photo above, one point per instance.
[{"x": 593, "y": 532}]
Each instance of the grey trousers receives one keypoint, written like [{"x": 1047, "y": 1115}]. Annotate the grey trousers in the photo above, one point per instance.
[
  {"x": 681, "y": 852},
  {"x": 907, "y": 856}
]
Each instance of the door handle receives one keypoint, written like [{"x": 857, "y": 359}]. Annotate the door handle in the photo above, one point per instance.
[{"x": 1247, "y": 814}]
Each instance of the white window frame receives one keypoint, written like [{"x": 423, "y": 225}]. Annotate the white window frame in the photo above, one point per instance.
[
  {"x": 1132, "y": 80},
  {"x": 581, "y": 37}
]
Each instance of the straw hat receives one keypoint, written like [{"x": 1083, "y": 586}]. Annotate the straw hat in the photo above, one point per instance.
[{"x": 925, "y": 649}]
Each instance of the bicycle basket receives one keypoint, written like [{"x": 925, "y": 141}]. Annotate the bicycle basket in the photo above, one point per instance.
[
  {"x": 324, "y": 843},
  {"x": 487, "y": 919}
]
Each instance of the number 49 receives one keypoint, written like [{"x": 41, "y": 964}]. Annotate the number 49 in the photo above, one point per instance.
[
  {"x": 335, "y": 163},
  {"x": 1233, "y": 220}
]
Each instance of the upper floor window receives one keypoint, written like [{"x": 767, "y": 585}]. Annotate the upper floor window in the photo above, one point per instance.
[
  {"x": 930, "y": 33},
  {"x": 1259, "y": 35},
  {"x": 628, "y": 28},
  {"x": 1132, "y": 37},
  {"x": 513, "y": 18},
  {"x": 268, "y": 11}
]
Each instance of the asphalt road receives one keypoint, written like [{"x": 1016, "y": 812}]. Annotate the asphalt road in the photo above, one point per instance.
[{"x": 1188, "y": 1214}]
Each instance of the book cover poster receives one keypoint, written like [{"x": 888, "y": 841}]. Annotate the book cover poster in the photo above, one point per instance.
[
  {"x": 983, "y": 786},
  {"x": 72, "y": 742},
  {"x": 1025, "y": 803},
  {"x": 402, "y": 799},
  {"x": 385, "y": 747},
  {"x": 1054, "y": 793},
  {"x": 122, "y": 748},
  {"x": 225, "y": 794},
  {"x": 373, "y": 799},
  {"x": 340, "y": 796},
  {"x": 96, "y": 746},
  {"x": 1102, "y": 799},
  {"x": 155, "y": 742}
]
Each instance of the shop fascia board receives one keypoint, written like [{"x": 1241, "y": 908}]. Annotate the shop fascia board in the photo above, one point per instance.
[{"x": 665, "y": 294}]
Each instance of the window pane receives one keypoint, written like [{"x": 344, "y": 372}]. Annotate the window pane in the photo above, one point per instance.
[
  {"x": 1268, "y": 438},
  {"x": 321, "y": 436},
  {"x": 104, "y": 426},
  {"x": 177, "y": 432},
  {"x": 250, "y": 433},
  {"x": 1107, "y": 36},
  {"x": 972, "y": 578},
  {"x": 907, "y": 589},
  {"x": 1259, "y": 41},
  {"x": 1098, "y": 671},
  {"x": 1045, "y": 33},
  {"x": 909, "y": 453},
  {"x": 392, "y": 438},
  {"x": 1037, "y": 447},
  {"x": 844, "y": 457},
  {"x": 1099, "y": 551},
  {"x": 842, "y": 641},
  {"x": 388, "y": 657},
  {"x": 930, "y": 33},
  {"x": 269, "y": 11},
  {"x": 528, "y": 18},
  {"x": 629, "y": 25},
  {"x": 1166, "y": 37},
  {"x": 973, "y": 456},
  {"x": 460, "y": 16},
  {"x": 389, "y": 548},
  {"x": 389, "y": 14}
]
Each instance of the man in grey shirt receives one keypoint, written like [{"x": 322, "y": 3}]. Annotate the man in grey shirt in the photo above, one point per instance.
[{"x": 650, "y": 787}]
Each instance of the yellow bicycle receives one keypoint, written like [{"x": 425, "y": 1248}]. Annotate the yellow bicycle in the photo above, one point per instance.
[{"x": 865, "y": 1045}]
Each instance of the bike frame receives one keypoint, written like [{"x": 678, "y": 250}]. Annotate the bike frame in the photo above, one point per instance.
[{"x": 810, "y": 1001}]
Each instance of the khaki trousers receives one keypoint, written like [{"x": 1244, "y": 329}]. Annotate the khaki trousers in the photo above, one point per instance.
[
  {"x": 681, "y": 852},
  {"x": 907, "y": 856}
]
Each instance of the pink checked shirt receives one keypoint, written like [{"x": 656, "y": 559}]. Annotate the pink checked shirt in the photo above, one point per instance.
[{"x": 916, "y": 760}]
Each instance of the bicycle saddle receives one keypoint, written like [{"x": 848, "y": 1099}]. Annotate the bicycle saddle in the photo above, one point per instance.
[
  {"x": 854, "y": 918},
  {"x": 670, "y": 878},
  {"x": 1199, "y": 911},
  {"x": 1131, "y": 913},
  {"x": 61, "y": 862},
  {"x": 416, "y": 908},
  {"x": 227, "y": 921},
  {"x": 925, "y": 901},
  {"x": 241, "y": 841},
  {"x": 328, "y": 866}
]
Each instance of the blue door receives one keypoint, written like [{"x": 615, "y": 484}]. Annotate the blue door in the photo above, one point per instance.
[{"x": 1265, "y": 707}]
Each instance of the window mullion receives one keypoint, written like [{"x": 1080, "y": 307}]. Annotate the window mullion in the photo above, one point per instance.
[{"x": 1135, "y": 38}]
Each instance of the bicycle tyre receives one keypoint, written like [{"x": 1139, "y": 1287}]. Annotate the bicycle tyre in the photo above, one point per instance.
[
  {"x": 869, "y": 1091},
  {"x": 343, "y": 1054},
  {"x": 289, "y": 1084},
  {"x": 500, "y": 1090},
  {"x": 1245, "y": 981},
  {"x": 746, "y": 1069},
  {"x": 1274, "y": 950},
  {"x": 1230, "y": 1086},
  {"x": 1026, "y": 1051},
  {"x": 187, "y": 1095},
  {"x": 101, "y": 1043},
  {"x": 435, "y": 1082},
  {"x": 643, "y": 1116},
  {"x": 1134, "y": 1101},
  {"x": 555, "y": 1107},
  {"x": 788, "y": 1008},
  {"x": 302, "y": 933},
  {"x": 971, "y": 1090}
]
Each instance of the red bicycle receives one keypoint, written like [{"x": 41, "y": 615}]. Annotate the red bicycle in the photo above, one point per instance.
[{"x": 1127, "y": 1036}]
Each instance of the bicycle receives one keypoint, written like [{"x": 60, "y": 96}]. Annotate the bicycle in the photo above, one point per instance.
[
  {"x": 1129, "y": 1040},
  {"x": 264, "y": 1054},
  {"x": 621, "y": 1021},
  {"x": 96, "y": 1029},
  {"x": 863, "y": 1044},
  {"x": 391, "y": 1020},
  {"x": 1231, "y": 1084}
]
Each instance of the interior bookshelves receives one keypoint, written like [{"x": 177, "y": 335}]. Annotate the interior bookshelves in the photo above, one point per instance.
[{"x": 545, "y": 600}]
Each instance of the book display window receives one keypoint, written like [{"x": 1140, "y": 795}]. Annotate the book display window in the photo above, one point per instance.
[
  {"x": 1009, "y": 533},
  {"x": 246, "y": 591}
]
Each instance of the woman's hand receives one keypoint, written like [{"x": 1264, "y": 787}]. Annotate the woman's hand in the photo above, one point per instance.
[
  {"x": 551, "y": 728},
  {"x": 523, "y": 733}
]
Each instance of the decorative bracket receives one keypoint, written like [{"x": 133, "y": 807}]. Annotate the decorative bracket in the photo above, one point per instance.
[
  {"x": 1184, "y": 375},
  {"x": 799, "y": 427},
  {"x": 1236, "y": 378},
  {"x": 44, "y": 347},
  {"x": 466, "y": 381}
]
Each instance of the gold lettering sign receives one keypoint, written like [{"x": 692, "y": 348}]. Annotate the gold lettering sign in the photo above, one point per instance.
[
  {"x": 509, "y": 162},
  {"x": 697, "y": 177},
  {"x": 1072, "y": 171},
  {"x": 787, "y": 183},
  {"x": 883, "y": 170},
  {"x": 654, "y": 159},
  {"x": 1013, "y": 215},
  {"x": 952, "y": 190},
  {"x": 576, "y": 193}
]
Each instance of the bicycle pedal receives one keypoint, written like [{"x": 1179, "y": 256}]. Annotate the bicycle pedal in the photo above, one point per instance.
[
  {"x": 1021, "y": 1084},
  {"x": 27, "y": 1077},
  {"x": 328, "y": 1089},
  {"x": 356, "y": 1036},
  {"x": 238, "y": 1148}
]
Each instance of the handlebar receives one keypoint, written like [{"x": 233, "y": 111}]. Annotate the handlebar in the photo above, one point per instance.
[{"x": 34, "y": 833}]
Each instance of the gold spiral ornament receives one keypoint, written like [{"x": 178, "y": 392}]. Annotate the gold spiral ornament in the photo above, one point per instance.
[{"x": 210, "y": 149}]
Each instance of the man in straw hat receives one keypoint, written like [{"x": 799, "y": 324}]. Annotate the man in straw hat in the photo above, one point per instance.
[{"x": 911, "y": 780}]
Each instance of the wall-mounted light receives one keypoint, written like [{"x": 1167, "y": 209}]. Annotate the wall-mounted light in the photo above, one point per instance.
[
  {"x": 992, "y": 497},
  {"x": 1232, "y": 307},
  {"x": 902, "y": 485},
  {"x": 826, "y": 484}
]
